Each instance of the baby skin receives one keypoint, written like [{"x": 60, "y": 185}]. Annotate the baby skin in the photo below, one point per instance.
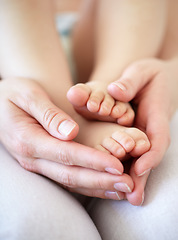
[
  {"x": 102, "y": 52},
  {"x": 92, "y": 101},
  {"x": 117, "y": 140}
]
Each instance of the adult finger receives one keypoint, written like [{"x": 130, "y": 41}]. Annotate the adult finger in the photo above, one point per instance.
[
  {"x": 114, "y": 195},
  {"x": 78, "y": 177},
  {"x": 29, "y": 140},
  {"x": 54, "y": 120},
  {"x": 133, "y": 79},
  {"x": 136, "y": 197},
  {"x": 32, "y": 99},
  {"x": 159, "y": 136},
  {"x": 72, "y": 153}
]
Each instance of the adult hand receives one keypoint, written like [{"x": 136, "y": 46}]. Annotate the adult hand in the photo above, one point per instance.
[
  {"x": 38, "y": 135},
  {"x": 151, "y": 84}
]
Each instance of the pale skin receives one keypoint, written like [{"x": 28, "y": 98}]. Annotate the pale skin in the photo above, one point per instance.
[
  {"x": 153, "y": 85},
  {"x": 36, "y": 80},
  {"x": 46, "y": 152},
  {"x": 142, "y": 82},
  {"x": 51, "y": 168},
  {"x": 111, "y": 35}
]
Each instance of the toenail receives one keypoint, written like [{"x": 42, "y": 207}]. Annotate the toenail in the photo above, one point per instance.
[
  {"x": 120, "y": 152},
  {"x": 141, "y": 142},
  {"x": 120, "y": 85},
  {"x": 66, "y": 127},
  {"x": 105, "y": 108},
  {"x": 129, "y": 145},
  {"x": 93, "y": 103}
]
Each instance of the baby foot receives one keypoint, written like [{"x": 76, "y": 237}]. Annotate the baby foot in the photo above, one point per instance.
[
  {"x": 114, "y": 139},
  {"x": 92, "y": 101}
]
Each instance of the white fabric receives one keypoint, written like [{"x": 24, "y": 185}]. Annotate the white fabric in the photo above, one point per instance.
[{"x": 33, "y": 207}]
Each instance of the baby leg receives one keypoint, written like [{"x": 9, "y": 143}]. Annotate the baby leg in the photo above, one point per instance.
[{"x": 122, "y": 35}]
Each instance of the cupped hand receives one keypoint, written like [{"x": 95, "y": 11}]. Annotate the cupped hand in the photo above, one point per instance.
[
  {"x": 151, "y": 84},
  {"x": 39, "y": 136}
]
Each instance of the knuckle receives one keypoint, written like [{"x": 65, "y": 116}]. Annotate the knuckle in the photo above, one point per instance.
[
  {"x": 64, "y": 155},
  {"x": 28, "y": 164},
  {"x": 22, "y": 147},
  {"x": 49, "y": 115},
  {"x": 100, "y": 184},
  {"x": 66, "y": 179},
  {"x": 31, "y": 96},
  {"x": 93, "y": 193}
]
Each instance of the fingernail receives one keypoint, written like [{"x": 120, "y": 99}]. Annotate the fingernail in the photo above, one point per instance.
[
  {"x": 66, "y": 127},
  {"x": 123, "y": 187},
  {"x": 112, "y": 195},
  {"x": 146, "y": 171},
  {"x": 143, "y": 197},
  {"x": 113, "y": 171},
  {"x": 120, "y": 85}
]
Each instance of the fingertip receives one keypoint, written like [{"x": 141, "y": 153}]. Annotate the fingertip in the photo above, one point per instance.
[
  {"x": 136, "y": 198},
  {"x": 116, "y": 168},
  {"x": 142, "y": 166}
]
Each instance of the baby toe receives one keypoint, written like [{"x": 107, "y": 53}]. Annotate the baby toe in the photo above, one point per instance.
[
  {"x": 79, "y": 94},
  {"x": 94, "y": 102},
  {"x": 113, "y": 147},
  {"x": 118, "y": 110},
  {"x": 142, "y": 143},
  {"x": 127, "y": 118},
  {"x": 124, "y": 139},
  {"x": 106, "y": 105},
  {"x": 101, "y": 148}
]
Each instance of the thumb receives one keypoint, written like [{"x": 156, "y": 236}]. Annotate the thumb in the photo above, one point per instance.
[
  {"x": 133, "y": 79},
  {"x": 54, "y": 120},
  {"x": 37, "y": 103}
]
